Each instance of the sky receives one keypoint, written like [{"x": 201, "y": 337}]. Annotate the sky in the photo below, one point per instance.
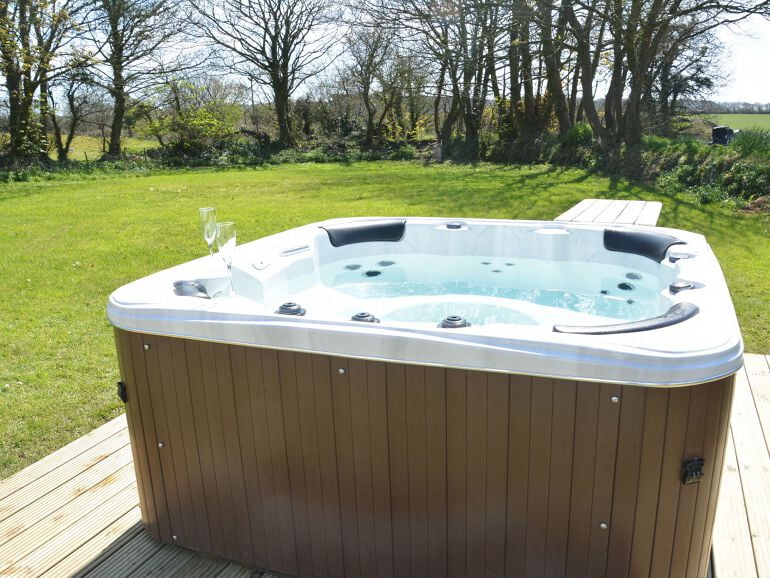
[{"x": 746, "y": 63}]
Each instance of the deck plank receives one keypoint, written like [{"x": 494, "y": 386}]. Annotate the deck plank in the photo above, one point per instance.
[
  {"x": 630, "y": 213},
  {"x": 62, "y": 476},
  {"x": 46, "y": 503},
  {"x": 611, "y": 212},
  {"x": 591, "y": 213},
  {"x": 733, "y": 553},
  {"x": 27, "y": 534},
  {"x": 77, "y": 449},
  {"x": 574, "y": 212},
  {"x": 743, "y": 509},
  {"x": 754, "y": 462},
  {"x": 650, "y": 213},
  {"x": 616, "y": 211}
]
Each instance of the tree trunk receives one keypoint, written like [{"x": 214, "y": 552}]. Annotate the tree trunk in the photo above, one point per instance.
[
  {"x": 114, "y": 149},
  {"x": 371, "y": 111},
  {"x": 281, "y": 103}
]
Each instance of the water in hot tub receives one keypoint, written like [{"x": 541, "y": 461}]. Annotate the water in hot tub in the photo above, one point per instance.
[{"x": 483, "y": 290}]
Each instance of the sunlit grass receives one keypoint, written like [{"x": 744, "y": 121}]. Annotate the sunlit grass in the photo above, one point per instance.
[{"x": 68, "y": 243}]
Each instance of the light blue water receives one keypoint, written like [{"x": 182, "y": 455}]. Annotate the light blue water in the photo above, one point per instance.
[{"x": 590, "y": 288}]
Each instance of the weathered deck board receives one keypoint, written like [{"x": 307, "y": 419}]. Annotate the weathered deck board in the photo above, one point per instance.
[
  {"x": 744, "y": 507},
  {"x": 613, "y": 211}
]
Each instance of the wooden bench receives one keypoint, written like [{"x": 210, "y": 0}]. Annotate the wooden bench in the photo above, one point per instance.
[{"x": 617, "y": 212}]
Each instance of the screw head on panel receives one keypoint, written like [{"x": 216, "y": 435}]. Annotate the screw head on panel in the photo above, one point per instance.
[
  {"x": 161, "y": 444},
  {"x": 174, "y": 538},
  {"x": 341, "y": 371},
  {"x": 604, "y": 525},
  {"x": 146, "y": 346},
  {"x": 615, "y": 399}
]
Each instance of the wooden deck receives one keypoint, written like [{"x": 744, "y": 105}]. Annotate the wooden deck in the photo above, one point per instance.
[
  {"x": 617, "y": 212},
  {"x": 76, "y": 511}
]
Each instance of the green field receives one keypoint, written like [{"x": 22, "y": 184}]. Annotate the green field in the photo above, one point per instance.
[
  {"x": 67, "y": 243},
  {"x": 90, "y": 147},
  {"x": 743, "y": 121}
]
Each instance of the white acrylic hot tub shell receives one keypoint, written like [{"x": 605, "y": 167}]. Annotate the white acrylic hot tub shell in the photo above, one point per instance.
[{"x": 701, "y": 349}]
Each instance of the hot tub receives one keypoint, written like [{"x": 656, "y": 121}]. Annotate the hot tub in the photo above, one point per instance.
[{"x": 435, "y": 397}]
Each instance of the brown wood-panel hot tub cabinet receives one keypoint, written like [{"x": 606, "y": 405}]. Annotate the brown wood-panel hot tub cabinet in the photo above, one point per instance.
[{"x": 315, "y": 465}]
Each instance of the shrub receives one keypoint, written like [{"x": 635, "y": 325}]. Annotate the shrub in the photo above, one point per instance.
[
  {"x": 752, "y": 142},
  {"x": 404, "y": 153}
]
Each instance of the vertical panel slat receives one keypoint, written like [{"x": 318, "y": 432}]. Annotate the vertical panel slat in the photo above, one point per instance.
[
  {"x": 560, "y": 480},
  {"x": 476, "y": 474},
  {"x": 205, "y": 452},
  {"x": 416, "y": 465},
  {"x": 192, "y": 459},
  {"x": 233, "y": 452},
  {"x": 310, "y": 459},
  {"x": 649, "y": 481},
  {"x": 345, "y": 467},
  {"x": 399, "y": 473},
  {"x": 243, "y": 414},
  {"x": 518, "y": 474},
  {"x": 150, "y": 436},
  {"x": 710, "y": 476},
  {"x": 456, "y": 470},
  {"x": 688, "y": 493},
  {"x": 378, "y": 425},
  {"x": 539, "y": 474},
  {"x": 288, "y": 383},
  {"x": 716, "y": 472},
  {"x": 604, "y": 476},
  {"x": 279, "y": 460},
  {"x": 583, "y": 466},
  {"x": 219, "y": 447},
  {"x": 259, "y": 422},
  {"x": 186, "y": 531},
  {"x": 328, "y": 463},
  {"x": 497, "y": 473},
  {"x": 155, "y": 389},
  {"x": 362, "y": 465},
  {"x": 436, "y": 425},
  {"x": 665, "y": 522},
  {"x": 136, "y": 433},
  {"x": 630, "y": 432}
]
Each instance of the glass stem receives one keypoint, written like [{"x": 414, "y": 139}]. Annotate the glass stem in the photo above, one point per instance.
[
  {"x": 230, "y": 277},
  {"x": 211, "y": 250}
]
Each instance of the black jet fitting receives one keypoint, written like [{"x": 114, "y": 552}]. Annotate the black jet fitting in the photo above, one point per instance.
[
  {"x": 291, "y": 308},
  {"x": 365, "y": 317},
  {"x": 454, "y": 322}
]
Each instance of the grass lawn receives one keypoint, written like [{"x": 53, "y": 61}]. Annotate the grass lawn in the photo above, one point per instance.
[
  {"x": 68, "y": 243},
  {"x": 743, "y": 121}
]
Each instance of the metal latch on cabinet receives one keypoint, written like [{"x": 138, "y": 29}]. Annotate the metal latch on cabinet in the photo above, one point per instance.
[
  {"x": 692, "y": 470},
  {"x": 122, "y": 394}
]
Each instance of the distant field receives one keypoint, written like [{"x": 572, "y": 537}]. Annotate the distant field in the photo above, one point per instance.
[
  {"x": 91, "y": 147},
  {"x": 743, "y": 121}
]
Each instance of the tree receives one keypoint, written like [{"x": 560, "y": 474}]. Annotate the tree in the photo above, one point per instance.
[
  {"x": 33, "y": 37},
  {"x": 464, "y": 37},
  {"x": 277, "y": 43},
  {"x": 640, "y": 38},
  {"x": 368, "y": 47},
  {"x": 196, "y": 112},
  {"x": 81, "y": 98},
  {"x": 134, "y": 48}
]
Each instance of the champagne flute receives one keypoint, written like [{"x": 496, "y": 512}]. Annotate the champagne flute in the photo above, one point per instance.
[
  {"x": 208, "y": 220},
  {"x": 226, "y": 244}
]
